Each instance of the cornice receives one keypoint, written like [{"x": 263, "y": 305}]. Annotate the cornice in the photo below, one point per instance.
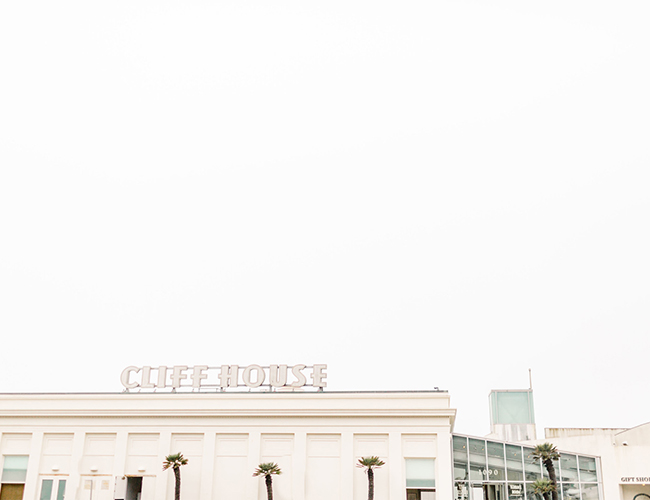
[
  {"x": 203, "y": 413},
  {"x": 229, "y": 405}
]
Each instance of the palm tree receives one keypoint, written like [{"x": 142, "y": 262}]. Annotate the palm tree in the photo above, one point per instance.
[
  {"x": 267, "y": 470},
  {"x": 546, "y": 453},
  {"x": 544, "y": 487},
  {"x": 175, "y": 462},
  {"x": 370, "y": 463}
]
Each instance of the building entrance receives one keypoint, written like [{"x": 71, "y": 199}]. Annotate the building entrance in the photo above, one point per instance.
[
  {"x": 133, "y": 488},
  {"x": 128, "y": 487},
  {"x": 488, "y": 491}
]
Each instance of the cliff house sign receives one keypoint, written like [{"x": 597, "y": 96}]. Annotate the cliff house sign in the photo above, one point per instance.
[{"x": 224, "y": 377}]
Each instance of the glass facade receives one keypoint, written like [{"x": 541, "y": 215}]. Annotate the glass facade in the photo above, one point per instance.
[
  {"x": 512, "y": 407},
  {"x": 493, "y": 470}
]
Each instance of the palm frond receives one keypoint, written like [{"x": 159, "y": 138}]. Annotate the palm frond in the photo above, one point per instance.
[
  {"x": 174, "y": 461},
  {"x": 542, "y": 486},
  {"x": 545, "y": 451},
  {"x": 267, "y": 469},
  {"x": 370, "y": 463}
]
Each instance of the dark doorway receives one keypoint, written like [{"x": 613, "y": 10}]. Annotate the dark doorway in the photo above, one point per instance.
[{"x": 133, "y": 488}]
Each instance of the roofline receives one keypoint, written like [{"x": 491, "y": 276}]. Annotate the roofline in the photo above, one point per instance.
[
  {"x": 511, "y": 390},
  {"x": 132, "y": 392}
]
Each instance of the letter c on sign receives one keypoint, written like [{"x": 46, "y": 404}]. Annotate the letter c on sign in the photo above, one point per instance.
[{"x": 125, "y": 377}]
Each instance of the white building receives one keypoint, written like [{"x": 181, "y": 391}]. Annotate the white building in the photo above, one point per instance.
[
  {"x": 624, "y": 455},
  {"x": 112, "y": 446}
]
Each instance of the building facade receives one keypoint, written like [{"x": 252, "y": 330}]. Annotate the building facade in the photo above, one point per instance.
[
  {"x": 112, "y": 446},
  {"x": 486, "y": 469},
  {"x": 624, "y": 453}
]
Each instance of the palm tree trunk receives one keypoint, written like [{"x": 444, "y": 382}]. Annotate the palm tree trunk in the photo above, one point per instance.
[
  {"x": 371, "y": 484},
  {"x": 269, "y": 487},
  {"x": 551, "y": 475},
  {"x": 177, "y": 489}
]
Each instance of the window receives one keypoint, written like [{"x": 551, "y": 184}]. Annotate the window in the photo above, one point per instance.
[
  {"x": 420, "y": 479},
  {"x": 533, "y": 469},
  {"x": 14, "y": 472},
  {"x": 477, "y": 459},
  {"x": 496, "y": 470},
  {"x": 589, "y": 491},
  {"x": 14, "y": 469},
  {"x": 570, "y": 491},
  {"x": 569, "y": 468},
  {"x": 587, "y": 469},
  {"x": 52, "y": 489},
  {"x": 514, "y": 463},
  {"x": 420, "y": 473},
  {"x": 461, "y": 472}
]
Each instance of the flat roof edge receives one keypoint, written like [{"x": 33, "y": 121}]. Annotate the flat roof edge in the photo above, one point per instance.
[{"x": 424, "y": 391}]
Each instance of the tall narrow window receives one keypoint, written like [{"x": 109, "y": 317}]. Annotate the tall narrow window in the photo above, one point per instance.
[
  {"x": 14, "y": 472},
  {"x": 461, "y": 472},
  {"x": 496, "y": 470},
  {"x": 477, "y": 459},
  {"x": 420, "y": 479},
  {"x": 514, "y": 463},
  {"x": 532, "y": 467},
  {"x": 60, "y": 491},
  {"x": 46, "y": 489}
]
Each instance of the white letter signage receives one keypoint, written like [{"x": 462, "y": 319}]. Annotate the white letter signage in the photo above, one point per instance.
[{"x": 223, "y": 377}]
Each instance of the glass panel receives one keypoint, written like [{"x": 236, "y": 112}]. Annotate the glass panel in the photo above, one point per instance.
[
  {"x": 496, "y": 461},
  {"x": 514, "y": 463},
  {"x": 512, "y": 407},
  {"x": 515, "y": 491},
  {"x": 530, "y": 493},
  {"x": 15, "y": 469},
  {"x": 495, "y": 491},
  {"x": 461, "y": 490},
  {"x": 533, "y": 470},
  {"x": 60, "y": 494},
  {"x": 570, "y": 491},
  {"x": 568, "y": 468},
  {"x": 460, "y": 458},
  {"x": 46, "y": 489},
  {"x": 589, "y": 491},
  {"x": 476, "y": 459},
  {"x": 587, "y": 469},
  {"x": 420, "y": 473},
  {"x": 556, "y": 466}
]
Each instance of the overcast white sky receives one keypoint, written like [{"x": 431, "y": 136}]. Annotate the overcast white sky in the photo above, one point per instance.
[{"x": 419, "y": 194}]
